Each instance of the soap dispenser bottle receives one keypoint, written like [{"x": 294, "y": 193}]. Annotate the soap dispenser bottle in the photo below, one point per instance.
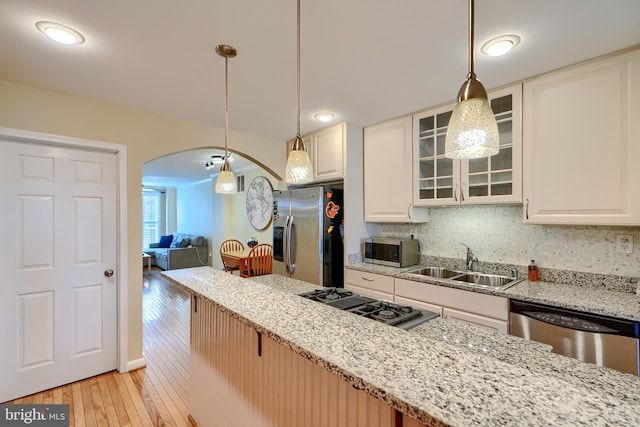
[{"x": 532, "y": 273}]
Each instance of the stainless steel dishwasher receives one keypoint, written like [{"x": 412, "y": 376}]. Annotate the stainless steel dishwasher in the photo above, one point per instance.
[{"x": 605, "y": 341}]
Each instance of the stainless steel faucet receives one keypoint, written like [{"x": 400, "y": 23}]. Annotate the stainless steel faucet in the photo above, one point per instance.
[{"x": 471, "y": 258}]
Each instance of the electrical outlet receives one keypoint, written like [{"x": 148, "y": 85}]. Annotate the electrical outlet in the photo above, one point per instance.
[{"x": 624, "y": 243}]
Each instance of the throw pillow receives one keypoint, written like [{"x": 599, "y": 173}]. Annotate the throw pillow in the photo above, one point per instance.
[
  {"x": 165, "y": 241},
  {"x": 185, "y": 242},
  {"x": 177, "y": 239}
]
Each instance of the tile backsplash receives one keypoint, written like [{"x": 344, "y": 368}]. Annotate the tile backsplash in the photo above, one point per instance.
[{"x": 497, "y": 234}]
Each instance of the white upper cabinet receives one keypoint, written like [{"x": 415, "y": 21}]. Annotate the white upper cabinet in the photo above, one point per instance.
[
  {"x": 327, "y": 152},
  {"x": 440, "y": 181},
  {"x": 326, "y": 149},
  {"x": 388, "y": 173},
  {"x": 582, "y": 144}
]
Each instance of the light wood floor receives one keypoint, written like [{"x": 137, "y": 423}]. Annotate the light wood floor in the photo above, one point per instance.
[{"x": 152, "y": 396}]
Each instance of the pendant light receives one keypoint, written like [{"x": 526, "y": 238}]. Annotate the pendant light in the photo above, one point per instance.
[
  {"x": 226, "y": 182},
  {"x": 472, "y": 131},
  {"x": 298, "y": 169}
]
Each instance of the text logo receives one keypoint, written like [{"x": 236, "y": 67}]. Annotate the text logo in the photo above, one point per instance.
[{"x": 34, "y": 415}]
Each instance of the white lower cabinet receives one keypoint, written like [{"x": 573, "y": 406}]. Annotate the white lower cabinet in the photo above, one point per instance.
[
  {"x": 418, "y": 304},
  {"x": 370, "y": 284},
  {"x": 484, "y": 310},
  {"x": 383, "y": 296},
  {"x": 501, "y": 326}
]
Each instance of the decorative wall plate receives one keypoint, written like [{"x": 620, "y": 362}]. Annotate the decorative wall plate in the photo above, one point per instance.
[{"x": 259, "y": 202}]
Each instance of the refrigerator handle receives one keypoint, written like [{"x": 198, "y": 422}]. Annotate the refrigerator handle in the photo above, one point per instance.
[
  {"x": 290, "y": 261},
  {"x": 285, "y": 245}
]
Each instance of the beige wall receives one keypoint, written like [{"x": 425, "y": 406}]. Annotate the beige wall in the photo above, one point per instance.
[{"x": 147, "y": 136}]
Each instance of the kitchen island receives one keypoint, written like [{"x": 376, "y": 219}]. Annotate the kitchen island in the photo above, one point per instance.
[{"x": 422, "y": 380}]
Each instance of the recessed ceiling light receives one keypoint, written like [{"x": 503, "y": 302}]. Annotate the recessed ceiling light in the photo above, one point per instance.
[
  {"x": 500, "y": 45},
  {"x": 60, "y": 33},
  {"x": 324, "y": 117}
]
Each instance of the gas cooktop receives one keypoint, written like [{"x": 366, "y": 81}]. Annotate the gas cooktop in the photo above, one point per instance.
[{"x": 401, "y": 316}]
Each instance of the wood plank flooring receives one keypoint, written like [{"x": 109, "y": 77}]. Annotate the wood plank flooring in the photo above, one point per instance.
[{"x": 153, "y": 396}]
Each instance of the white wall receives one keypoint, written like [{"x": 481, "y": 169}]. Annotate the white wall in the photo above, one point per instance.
[
  {"x": 355, "y": 229},
  {"x": 194, "y": 211},
  {"x": 497, "y": 234},
  {"x": 170, "y": 219}
]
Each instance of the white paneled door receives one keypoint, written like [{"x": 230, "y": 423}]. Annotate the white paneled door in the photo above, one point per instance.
[{"x": 58, "y": 291}]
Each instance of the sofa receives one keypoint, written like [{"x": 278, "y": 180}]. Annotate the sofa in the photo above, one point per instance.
[{"x": 179, "y": 250}]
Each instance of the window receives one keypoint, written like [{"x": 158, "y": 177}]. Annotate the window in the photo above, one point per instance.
[{"x": 151, "y": 218}]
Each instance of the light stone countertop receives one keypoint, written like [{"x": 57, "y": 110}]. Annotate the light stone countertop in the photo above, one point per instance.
[
  {"x": 432, "y": 380},
  {"x": 590, "y": 299}
]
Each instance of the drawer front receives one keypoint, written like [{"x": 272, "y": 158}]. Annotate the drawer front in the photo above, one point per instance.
[
  {"x": 371, "y": 281},
  {"x": 383, "y": 296},
  {"x": 418, "y": 304},
  {"x": 471, "y": 302}
]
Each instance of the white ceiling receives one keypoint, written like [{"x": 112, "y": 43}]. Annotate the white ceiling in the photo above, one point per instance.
[{"x": 364, "y": 60}]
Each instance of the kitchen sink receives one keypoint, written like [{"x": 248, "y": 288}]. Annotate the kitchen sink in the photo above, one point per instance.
[
  {"x": 492, "y": 281},
  {"x": 439, "y": 272}
]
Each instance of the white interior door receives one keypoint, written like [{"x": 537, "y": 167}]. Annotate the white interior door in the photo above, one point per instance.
[{"x": 58, "y": 315}]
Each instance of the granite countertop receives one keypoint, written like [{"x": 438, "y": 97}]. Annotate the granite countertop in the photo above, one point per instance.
[
  {"x": 591, "y": 299},
  {"x": 435, "y": 381}
]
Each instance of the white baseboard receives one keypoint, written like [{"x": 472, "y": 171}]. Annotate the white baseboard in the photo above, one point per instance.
[{"x": 132, "y": 365}]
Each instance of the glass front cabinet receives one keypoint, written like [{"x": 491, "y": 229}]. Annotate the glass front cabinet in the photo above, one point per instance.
[{"x": 440, "y": 181}]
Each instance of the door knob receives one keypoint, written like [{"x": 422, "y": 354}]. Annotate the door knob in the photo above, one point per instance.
[{"x": 108, "y": 272}]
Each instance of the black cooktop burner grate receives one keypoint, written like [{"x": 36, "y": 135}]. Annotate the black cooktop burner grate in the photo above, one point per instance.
[
  {"x": 351, "y": 302},
  {"x": 387, "y": 312},
  {"x": 327, "y": 294},
  {"x": 382, "y": 311}
]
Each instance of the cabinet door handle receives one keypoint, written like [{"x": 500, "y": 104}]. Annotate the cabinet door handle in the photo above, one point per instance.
[
  {"x": 259, "y": 343},
  {"x": 526, "y": 208},
  {"x": 367, "y": 279},
  {"x": 195, "y": 304},
  {"x": 409, "y": 211},
  {"x": 455, "y": 193},
  {"x": 462, "y": 192}
]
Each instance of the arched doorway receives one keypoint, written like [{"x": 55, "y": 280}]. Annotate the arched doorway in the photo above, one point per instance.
[{"x": 185, "y": 201}]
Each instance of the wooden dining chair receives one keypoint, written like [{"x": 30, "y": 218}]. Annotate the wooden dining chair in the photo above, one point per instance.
[
  {"x": 229, "y": 246},
  {"x": 259, "y": 261}
]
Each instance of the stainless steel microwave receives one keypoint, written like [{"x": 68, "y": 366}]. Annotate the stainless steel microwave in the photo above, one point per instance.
[{"x": 391, "y": 251}]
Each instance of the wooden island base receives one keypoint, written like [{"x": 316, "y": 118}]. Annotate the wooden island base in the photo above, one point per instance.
[{"x": 240, "y": 377}]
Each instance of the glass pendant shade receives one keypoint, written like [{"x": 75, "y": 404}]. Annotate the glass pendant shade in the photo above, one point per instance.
[
  {"x": 298, "y": 168},
  {"x": 472, "y": 131},
  {"x": 226, "y": 182}
]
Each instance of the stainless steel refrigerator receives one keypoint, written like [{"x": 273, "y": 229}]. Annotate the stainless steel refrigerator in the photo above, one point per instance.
[{"x": 308, "y": 234}]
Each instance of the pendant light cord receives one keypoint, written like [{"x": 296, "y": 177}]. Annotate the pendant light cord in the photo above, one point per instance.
[
  {"x": 298, "y": 68},
  {"x": 226, "y": 110},
  {"x": 471, "y": 53}
]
